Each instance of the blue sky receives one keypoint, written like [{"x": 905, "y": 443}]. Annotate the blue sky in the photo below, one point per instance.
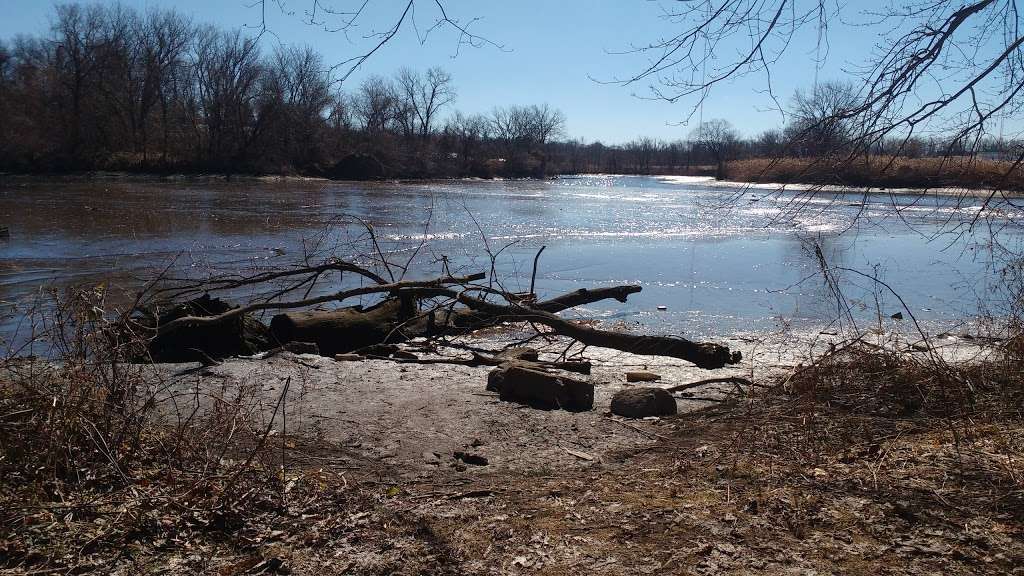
[{"x": 552, "y": 50}]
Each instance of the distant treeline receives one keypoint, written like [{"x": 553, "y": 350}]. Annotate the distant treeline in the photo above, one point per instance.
[{"x": 110, "y": 88}]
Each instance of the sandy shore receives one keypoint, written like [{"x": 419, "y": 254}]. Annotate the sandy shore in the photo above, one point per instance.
[
  {"x": 415, "y": 417},
  {"x": 404, "y": 414},
  {"x": 721, "y": 487}
]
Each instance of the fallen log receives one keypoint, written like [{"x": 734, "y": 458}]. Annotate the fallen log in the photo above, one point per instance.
[
  {"x": 705, "y": 355},
  {"x": 396, "y": 319},
  {"x": 340, "y": 331},
  {"x": 349, "y": 329},
  {"x": 539, "y": 389},
  {"x": 738, "y": 380},
  {"x": 296, "y": 347},
  {"x": 194, "y": 321},
  {"x": 235, "y": 336},
  {"x": 463, "y": 319}
]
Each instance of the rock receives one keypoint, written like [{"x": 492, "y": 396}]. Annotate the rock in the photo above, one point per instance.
[
  {"x": 643, "y": 402},
  {"x": 471, "y": 458},
  {"x": 348, "y": 357},
  {"x": 540, "y": 389},
  {"x": 642, "y": 377}
]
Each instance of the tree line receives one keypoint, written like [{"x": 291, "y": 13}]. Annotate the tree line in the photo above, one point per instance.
[{"x": 108, "y": 87}]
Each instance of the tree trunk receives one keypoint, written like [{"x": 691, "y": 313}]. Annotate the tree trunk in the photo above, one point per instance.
[{"x": 344, "y": 330}]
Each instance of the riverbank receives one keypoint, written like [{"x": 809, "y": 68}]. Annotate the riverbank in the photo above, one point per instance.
[
  {"x": 374, "y": 466},
  {"x": 882, "y": 173},
  {"x": 951, "y": 176},
  {"x": 144, "y": 177}
]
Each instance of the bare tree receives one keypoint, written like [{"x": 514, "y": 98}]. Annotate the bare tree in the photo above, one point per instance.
[
  {"x": 165, "y": 42},
  {"x": 227, "y": 72},
  {"x": 719, "y": 139},
  {"x": 819, "y": 123},
  {"x": 78, "y": 33},
  {"x": 469, "y": 133},
  {"x": 141, "y": 53},
  {"x": 375, "y": 104},
  {"x": 302, "y": 95},
  {"x": 422, "y": 96},
  {"x": 769, "y": 143}
]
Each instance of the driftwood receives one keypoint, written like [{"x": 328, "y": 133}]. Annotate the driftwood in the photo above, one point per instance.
[
  {"x": 237, "y": 335},
  {"x": 704, "y": 354},
  {"x": 478, "y": 359},
  {"x": 396, "y": 320},
  {"x": 464, "y": 319},
  {"x": 295, "y": 347},
  {"x": 398, "y": 317},
  {"x": 195, "y": 321},
  {"x": 526, "y": 385},
  {"x": 738, "y": 380},
  {"x": 340, "y": 331},
  {"x": 586, "y": 296}
]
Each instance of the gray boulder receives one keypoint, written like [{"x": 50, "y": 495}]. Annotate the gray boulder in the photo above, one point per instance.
[{"x": 642, "y": 402}]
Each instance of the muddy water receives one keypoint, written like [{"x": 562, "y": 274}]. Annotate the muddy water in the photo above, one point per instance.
[{"x": 720, "y": 259}]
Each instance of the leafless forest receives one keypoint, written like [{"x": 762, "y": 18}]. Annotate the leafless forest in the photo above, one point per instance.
[{"x": 110, "y": 88}]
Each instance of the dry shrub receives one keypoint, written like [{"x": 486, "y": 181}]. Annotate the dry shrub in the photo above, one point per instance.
[
  {"x": 882, "y": 172},
  {"x": 86, "y": 436},
  {"x": 86, "y": 407},
  {"x": 863, "y": 379}
]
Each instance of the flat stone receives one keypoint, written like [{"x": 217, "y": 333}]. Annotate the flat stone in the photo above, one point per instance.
[{"x": 642, "y": 377}]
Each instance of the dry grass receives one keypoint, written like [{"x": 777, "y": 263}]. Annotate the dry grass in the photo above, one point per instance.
[
  {"x": 858, "y": 465},
  {"x": 867, "y": 461},
  {"x": 882, "y": 172},
  {"x": 89, "y": 462}
]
